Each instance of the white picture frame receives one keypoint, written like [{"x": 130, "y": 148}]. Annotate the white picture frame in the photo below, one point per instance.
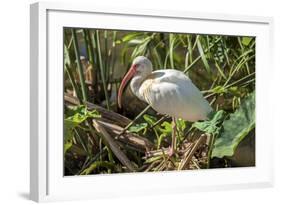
[{"x": 47, "y": 182}]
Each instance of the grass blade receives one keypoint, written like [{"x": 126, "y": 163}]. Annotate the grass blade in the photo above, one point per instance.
[
  {"x": 172, "y": 40},
  {"x": 202, "y": 54},
  {"x": 199, "y": 57}
]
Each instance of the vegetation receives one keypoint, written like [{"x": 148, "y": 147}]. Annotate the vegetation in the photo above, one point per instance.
[{"x": 101, "y": 138}]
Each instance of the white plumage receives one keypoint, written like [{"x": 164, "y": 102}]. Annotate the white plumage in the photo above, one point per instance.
[{"x": 171, "y": 92}]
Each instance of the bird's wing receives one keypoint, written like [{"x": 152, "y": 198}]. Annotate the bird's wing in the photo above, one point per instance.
[
  {"x": 175, "y": 95},
  {"x": 168, "y": 75}
]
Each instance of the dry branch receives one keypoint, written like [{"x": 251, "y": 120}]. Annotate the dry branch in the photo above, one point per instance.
[
  {"x": 114, "y": 146},
  {"x": 131, "y": 139},
  {"x": 114, "y": 123},
  {"x": 107, "y": 115},
  {"x": 185, "y": 161}
]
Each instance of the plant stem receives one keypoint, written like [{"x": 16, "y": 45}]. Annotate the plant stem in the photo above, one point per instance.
[
  {"x": 210, "y": 149},
  {"x": 102, "y": 69},
  {"x": 79, "y": 66},
  {"x": 199, "y": 57},
  {"x": 136, "y": 118},
  {"x": 73, "y": 83},
  {"x": 232, "y": 84},
  {"x": 171, "y": 44}
]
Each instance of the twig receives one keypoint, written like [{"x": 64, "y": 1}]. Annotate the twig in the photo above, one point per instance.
[
  {"x": 159, "y": 121},
  {"x": 113, "y": 146},
  {"x": 210, "y": 142},
  {"x": 132, "y": 139},
  {"x": 195, "y": 164},
  {"x": 136, "y": 118},
  {"x": 185, "y": 161},
  {"x": 103, "y": 151},
  {"x": 155, "y": 153},
  {"x": 151, "y": 165},
  {"x": 232, "y": 84}
]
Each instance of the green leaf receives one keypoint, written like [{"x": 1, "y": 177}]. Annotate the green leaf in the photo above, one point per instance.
[
  {"x": 76, "y": 116},
  {"x": 67, "y": 145},
  {"x": 246, "y": 40},
  {"x": 203, "y": 57},
  {"x": 135, "y": 42},
  {"x": 181, "y": 125},
  {"x": 240, "y": 123},
  {"x": 149, "y": 119},
  {"x": 166, "y": 127},
  {"x": 96, "y": 165},
  {"x": 68, "y": 134},
  {"x": 141, "y": 48},
  {"x": 219, "y": 89},
  {"x": 131, "y": 36},
  {"x": 80, "y": 113},
  {"x": 211, "y": 126},
  {"x": 138, "y": 127},
  {"x": 152, "y": 159}
]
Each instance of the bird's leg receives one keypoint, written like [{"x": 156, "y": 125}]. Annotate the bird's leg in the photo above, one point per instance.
[
  {"x": 172, "y": 149},
  {"x": 174, "y": 132}
]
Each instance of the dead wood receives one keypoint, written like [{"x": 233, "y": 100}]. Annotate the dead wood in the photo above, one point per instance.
[
  {"x": 115, "y": 148},
  {"x": 113, "y": 123},
  {"x": 185, "y": 161},
  {"x": 131, "y": 139},
  {"x": 107, "y": 115}
]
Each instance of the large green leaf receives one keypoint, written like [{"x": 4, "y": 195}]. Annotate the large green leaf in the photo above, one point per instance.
[
  {"x": 239, "y": 124},
  {"x": 211, "y": 126}
]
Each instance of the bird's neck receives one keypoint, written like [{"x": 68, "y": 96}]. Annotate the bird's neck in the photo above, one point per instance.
[{"x": 136, "y": 84}]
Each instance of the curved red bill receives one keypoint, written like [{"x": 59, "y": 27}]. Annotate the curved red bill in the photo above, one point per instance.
[{"x": 124, "y": 82}]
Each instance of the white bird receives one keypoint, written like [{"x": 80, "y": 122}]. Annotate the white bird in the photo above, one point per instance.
[{"x": 167, "y": 91}]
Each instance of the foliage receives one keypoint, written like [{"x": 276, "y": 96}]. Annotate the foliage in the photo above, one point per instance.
[
  {"x": 236, "y": 128},
  {"x": 75, "y": 117},
  {"x": 213, "y": 125}
]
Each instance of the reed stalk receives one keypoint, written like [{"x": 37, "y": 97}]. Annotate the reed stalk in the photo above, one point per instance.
[
  {"x": 73, "y": 83},
  {"x": 79, "y": 65},
  {"x": 199, "y": 57},
  {"x": 102, "y": 71}
]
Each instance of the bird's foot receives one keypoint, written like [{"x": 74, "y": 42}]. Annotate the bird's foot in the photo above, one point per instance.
[{"x": 171, "y": 151}]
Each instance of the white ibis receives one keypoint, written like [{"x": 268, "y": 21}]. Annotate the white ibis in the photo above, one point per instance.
[{"x": 167, "y": 91}]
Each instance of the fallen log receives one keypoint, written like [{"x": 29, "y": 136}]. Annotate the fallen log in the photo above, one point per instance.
[
  {"x": 131, "y": 139},
  {"x": 107, "y": 115},
  {"x": 113, "y": 123}
]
